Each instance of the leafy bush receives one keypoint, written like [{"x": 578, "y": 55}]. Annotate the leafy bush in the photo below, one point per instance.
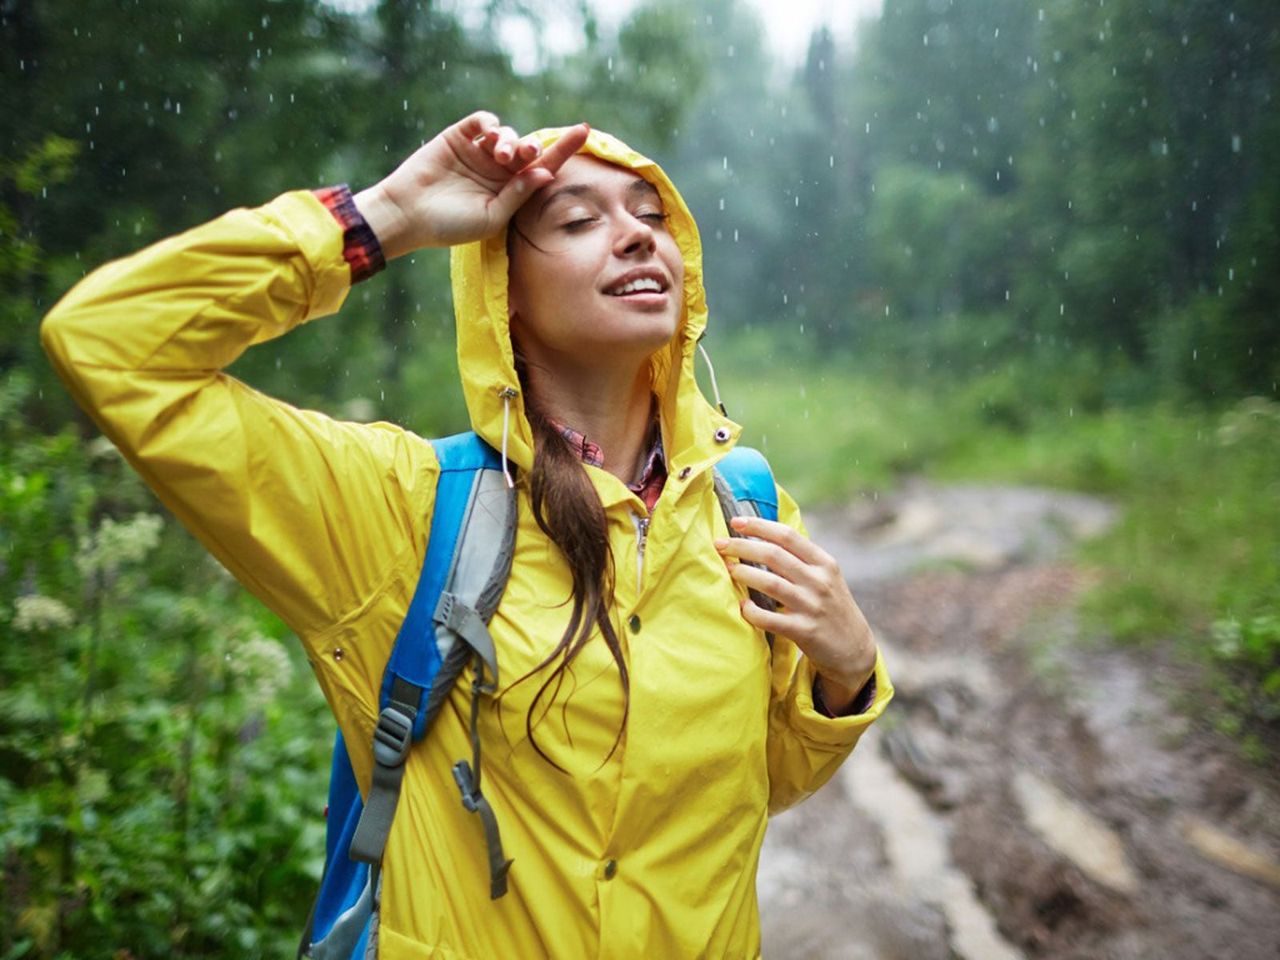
[{"x": 162, "y": 768}]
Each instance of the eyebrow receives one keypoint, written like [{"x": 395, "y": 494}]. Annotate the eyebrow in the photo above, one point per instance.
[{"x": 637, "y": 186}]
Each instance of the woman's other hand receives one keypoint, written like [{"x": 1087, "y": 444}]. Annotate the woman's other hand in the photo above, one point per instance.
[
  {"x": 817, "y": 611},
  {"x": 463, "y": 185}
]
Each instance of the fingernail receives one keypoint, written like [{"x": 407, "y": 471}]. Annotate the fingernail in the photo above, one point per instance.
[
  {"x": 520, "y": 185},
  {"x": 721, "y": 543},
  {"x": 738, "y": 522}
]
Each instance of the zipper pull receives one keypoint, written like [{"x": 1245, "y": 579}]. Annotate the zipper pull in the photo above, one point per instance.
[{"x": 642, "y": 535}]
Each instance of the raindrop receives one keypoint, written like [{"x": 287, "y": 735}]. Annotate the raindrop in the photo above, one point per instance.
[
  {"x": 724, "y": 163},
  {"x": 1236, "y": 143},
  {"x": 1062, "y": 309},
  {"x": 404, "y": 104},
  {"x": 797, "y": 199},
  {"x": 926, "y": 39},
  {"x": 735, "y": 236},
  {"x": 722, "y": 203},
  {"x": 868, "y": 128},
  {"x": 1040, "y": 16},
  {"x": 784, "y": 299},
  {"x": 831, "y": 160},
  {"x": 1231, "y": 273}
]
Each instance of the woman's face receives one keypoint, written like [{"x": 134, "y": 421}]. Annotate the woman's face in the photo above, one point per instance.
[{"x": 595, "y": 275}]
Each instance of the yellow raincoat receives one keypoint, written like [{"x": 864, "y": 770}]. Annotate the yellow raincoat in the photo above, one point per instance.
[{"x": 651, "y": 853}]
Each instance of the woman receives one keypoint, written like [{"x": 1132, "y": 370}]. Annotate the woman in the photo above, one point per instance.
[{"x": 644, "y": 730}]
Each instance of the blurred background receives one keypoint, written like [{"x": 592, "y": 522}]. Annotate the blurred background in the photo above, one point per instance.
[{"x": 996, "y": 286}]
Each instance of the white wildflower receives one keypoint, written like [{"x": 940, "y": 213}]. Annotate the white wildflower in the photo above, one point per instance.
[
  {"x": 262, "y": 666},
  {"x": 116, "y": 544},
  {"x": 37, "y": 612}
]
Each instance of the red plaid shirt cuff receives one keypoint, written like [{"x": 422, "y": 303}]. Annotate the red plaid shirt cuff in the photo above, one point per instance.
[{"x": 360, "y": 247}]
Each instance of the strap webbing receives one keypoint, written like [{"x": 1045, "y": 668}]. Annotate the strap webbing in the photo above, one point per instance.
[
  {"x": 392, "y": 738},
  {"x": 467, "y": 776}
]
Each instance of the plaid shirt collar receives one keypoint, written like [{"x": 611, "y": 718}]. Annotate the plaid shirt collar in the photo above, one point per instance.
[{"x": 653, "y": 474}]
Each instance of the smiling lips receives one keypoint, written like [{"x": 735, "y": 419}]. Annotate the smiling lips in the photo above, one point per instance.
[{"x": 642, "y": 281}]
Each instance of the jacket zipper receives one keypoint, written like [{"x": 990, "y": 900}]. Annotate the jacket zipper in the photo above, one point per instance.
[{"x": 642, "y": 535}]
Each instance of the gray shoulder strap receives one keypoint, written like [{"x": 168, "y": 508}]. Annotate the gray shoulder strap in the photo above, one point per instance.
[
  {"x": 477, "y": 577},
  {"x": 732, "y": 507}
]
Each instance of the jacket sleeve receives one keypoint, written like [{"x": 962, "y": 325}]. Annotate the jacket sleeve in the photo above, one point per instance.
[
  {"x": 806, "y": 747},
  {"x": 309, "y": 513}
]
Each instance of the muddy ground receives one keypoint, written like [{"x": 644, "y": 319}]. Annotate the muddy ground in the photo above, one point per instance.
[{"x": 1032, "y": 791}]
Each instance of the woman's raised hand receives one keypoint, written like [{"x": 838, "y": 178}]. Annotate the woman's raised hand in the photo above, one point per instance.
[{"x": 463, "y": 185}]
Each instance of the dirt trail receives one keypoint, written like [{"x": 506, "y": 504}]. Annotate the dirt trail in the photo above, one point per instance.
[{"x": 1031, "y": 793}]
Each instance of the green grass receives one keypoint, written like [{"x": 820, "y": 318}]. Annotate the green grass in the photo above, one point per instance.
[{"x": 1194, "y": 560}]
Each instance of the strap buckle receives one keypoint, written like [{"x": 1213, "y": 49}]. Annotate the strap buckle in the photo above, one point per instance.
[
  {"x": 466, "y": 782},
  {"x": 392, "y": 737}
]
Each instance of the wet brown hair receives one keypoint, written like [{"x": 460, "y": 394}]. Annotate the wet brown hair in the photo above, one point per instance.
[{"x": 567, "y": 509}]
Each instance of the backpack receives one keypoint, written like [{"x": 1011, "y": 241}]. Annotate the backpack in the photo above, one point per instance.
[{"x": 468, "y": 561}]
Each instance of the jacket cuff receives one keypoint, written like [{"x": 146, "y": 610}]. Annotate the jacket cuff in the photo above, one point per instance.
[
  {"x": 860, "y": 704},
  {"x": 812, "y": 724},
  {"x": 360, "y": 246},
  {"x": 304, "y": 218}
]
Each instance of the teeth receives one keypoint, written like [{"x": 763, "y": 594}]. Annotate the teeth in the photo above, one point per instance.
[{"x": 645, "y": 283}]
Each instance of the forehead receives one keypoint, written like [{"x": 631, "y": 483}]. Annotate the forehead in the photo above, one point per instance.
[{"x": 583, "y": 174}]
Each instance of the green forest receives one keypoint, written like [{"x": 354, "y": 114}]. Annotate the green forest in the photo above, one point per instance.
[{"x": 984, "y": 240}]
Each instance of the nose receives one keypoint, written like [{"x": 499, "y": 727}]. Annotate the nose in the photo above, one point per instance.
[{"x": 634, "y": 236}]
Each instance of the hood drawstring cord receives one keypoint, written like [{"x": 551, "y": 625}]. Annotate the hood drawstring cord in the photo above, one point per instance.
[
  {"x": 506, "y": 393},
  {"x": 715, "y": 388}
]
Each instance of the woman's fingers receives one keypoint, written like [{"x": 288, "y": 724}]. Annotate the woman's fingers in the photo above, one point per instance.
[
  {"x": 779, "y": 560},
  {"x": 768, "y": 620},
  {"x": 793, "y": 541},
  {"x": 570, "y": 142},
  {"x": 515, "y": 192},
  {"x": 504, "y": 146},
  {"x": 476, "y": 125},
  {"x": 770, "y": 584}
]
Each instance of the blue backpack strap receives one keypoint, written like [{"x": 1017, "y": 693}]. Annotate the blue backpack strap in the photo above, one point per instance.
[
  {"x": 745, "y": 487},
  {"x": 415, "y": 657},
  {"x": 746, "y": 473},
  {"x": 339, "y": 923}
]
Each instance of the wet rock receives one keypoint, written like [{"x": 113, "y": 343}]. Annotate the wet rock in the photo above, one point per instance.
[
  {"x": 1074, "y": 832},
  {"x": 1226, "y": 851}
]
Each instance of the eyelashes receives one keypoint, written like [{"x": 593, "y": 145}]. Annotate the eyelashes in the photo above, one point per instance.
[{"x": 654, "y": 218}]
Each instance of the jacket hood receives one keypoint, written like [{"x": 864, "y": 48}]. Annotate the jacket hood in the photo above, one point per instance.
[{"x": 695, "y": 434}]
